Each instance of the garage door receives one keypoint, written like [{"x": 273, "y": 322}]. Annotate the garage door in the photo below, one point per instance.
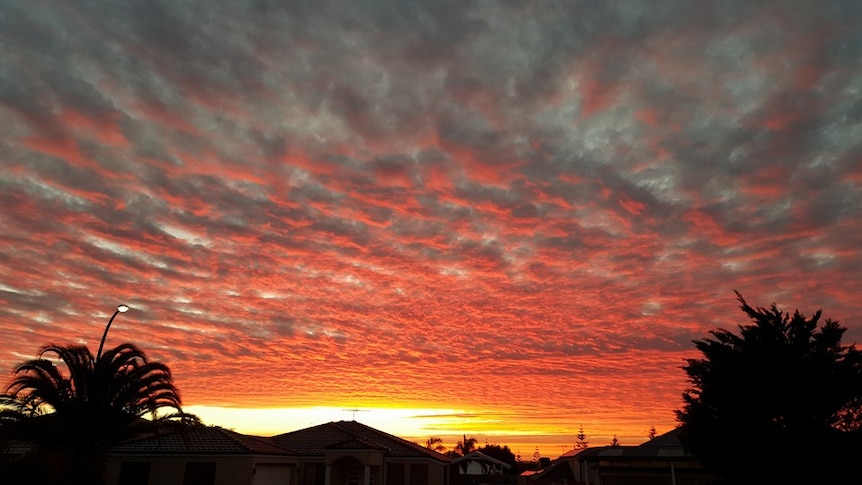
[{"x": 272, "y": 474}]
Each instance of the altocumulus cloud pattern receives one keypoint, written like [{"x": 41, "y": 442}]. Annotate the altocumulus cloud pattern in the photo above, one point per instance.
[{"x": 427, "y": 203}]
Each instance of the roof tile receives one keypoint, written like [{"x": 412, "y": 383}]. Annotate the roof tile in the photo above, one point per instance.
[
  {"x": 314, "y": 441},
  {"x": 209, "y": 439}
]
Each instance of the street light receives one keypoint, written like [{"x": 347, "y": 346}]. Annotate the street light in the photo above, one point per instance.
[{"x": 120, "y": 309}]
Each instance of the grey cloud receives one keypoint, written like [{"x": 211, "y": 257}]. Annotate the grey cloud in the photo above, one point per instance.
[{"x": 587, "y": 216}]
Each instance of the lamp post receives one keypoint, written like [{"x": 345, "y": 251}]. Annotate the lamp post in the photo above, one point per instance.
[{"x": 120, "y": 309}]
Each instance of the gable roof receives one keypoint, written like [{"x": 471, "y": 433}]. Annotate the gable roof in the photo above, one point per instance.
[
  {"x": 556, "y": 470},
  {"x": 479, "y": 456},
  {"x": 666, "y": 440},
  {"x": 571, "y": 453},
  {"x": 205, "y": 440},
  {"x": 356, "y": 443},
  {"x": 663, "y": 447},
  {"x": 316, "y": 440},
  {"x": 624, "y": 453}
]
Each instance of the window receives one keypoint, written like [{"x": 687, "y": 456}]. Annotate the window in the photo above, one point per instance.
[
  {"x": 134, "y": 473},
  {"x": 199, "y": 473},
  {"x": 395, "y": 474},
  {"x": 419, "y": 474}
]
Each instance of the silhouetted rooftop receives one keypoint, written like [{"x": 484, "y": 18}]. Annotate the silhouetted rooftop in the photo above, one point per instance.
[
  {"x": 316, "y": 440},
  {"x": 209, "y": 439}
]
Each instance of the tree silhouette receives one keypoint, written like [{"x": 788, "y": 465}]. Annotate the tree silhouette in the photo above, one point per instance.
[
  {"x": 615, "y": 441},
  {"x": 462, "y": 448},
  {"x": 652, "y": 433},
  {"x": 466, "y": 445},
  {"x": 435, "y": 443},
  {"x": 95, "y": 404},
  {"x": 581, "y": 439},
  {"x": 502, "y": 453},
  {"x": 779, "y": 401}
]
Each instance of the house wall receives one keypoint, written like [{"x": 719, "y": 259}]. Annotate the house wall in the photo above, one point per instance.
[
  {"x": 392, "y": 471},
  {"x": 273, "y": 474},
  {"x": 275, "y": 470},
  {"x": 373, "y": 458},
  {"x": 651, "y": 472},
  {"x": 229, "y": 470},
  {"x": 436, "y": 474}
]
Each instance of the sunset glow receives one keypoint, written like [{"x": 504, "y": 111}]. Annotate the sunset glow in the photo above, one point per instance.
[{"x": 499, "y": 219}]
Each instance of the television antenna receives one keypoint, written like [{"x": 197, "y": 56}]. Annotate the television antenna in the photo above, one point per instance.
[{"x": 354, "y": 411}]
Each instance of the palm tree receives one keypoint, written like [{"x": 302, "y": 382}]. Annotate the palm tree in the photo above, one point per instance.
[
  {"x": 96, "y": 404},
  {"x": 463, "y": 448},
  {"x": 466, "y": 445},
  {"x": 435, "y": 443}
]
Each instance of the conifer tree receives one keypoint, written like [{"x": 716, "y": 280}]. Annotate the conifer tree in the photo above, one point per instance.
[{"x": 581, "y": 438}]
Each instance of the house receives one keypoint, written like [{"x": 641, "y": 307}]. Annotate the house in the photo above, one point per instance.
[
  {"x": 477, "y": 468},
  {"x": 661, "y": 460},
  {"x": 201, "y": 456},
  {"x": 565, "y": 470},
  {"x": 335, "y": 453},
  {"x": 351, "y": 453}
]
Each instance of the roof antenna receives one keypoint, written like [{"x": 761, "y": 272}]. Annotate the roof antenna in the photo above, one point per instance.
[{"x": 354, "y": 411}]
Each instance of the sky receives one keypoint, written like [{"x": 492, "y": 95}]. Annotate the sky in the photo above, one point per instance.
[{"x": 502, "y": 219}]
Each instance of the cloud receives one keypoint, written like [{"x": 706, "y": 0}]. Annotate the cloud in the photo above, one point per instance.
[{"x": 403, "y": 199}]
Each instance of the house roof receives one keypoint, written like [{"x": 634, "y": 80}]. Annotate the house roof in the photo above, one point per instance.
[
  {"x": 479, "y": 456},
  {"x": 317, "y": 440},
  {"x": 669, "y": 439},
  {"x": 663, "y": 447},
  {"x": 357, "y": 443},
  {"x": 666, "y": 445},
  {"x": 208, "y": 439},
  {"x": 571, "y": 453},
  {"x": 555, "y": 470},
  {"x": 629, "y": 452}
]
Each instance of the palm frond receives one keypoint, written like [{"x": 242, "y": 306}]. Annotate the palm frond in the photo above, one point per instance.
[{"x": 93, "y": 403}]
